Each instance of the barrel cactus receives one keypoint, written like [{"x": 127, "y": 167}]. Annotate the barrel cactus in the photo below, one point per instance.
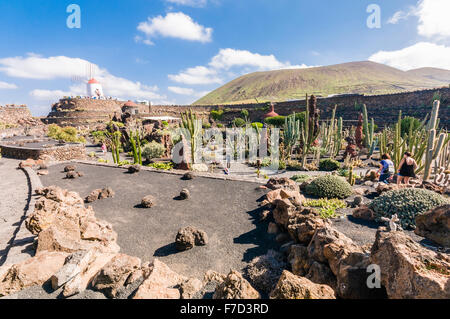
[
  {"x": 407, "y": 203},
  {"x": 330, "y": 186}
]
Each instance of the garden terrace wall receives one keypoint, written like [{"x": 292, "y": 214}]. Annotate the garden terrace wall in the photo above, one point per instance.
[
  {"x": 12, "y": 114},
  {"x": 383, "y": 108},
  {"x": 65, "y": 152},
  {"x": 82, "y": 112}
]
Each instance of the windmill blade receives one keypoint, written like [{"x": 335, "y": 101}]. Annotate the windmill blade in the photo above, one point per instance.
[{"x": 78, "y": 79}]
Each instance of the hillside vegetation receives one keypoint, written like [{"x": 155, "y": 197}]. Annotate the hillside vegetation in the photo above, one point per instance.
[{"x": 355, "y": 77}]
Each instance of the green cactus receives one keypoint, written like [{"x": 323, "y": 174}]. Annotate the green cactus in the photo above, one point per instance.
[
  {"x": 367, "y": 131},
  {"x": 193, "y": 125},
  {"x": 291, "y": 133},
  {"x": 351, "y": 176},
  {"x": 434, "y": 145},
  {"x": 310, "y": 129},
  {"x": 339, "y": 137}
]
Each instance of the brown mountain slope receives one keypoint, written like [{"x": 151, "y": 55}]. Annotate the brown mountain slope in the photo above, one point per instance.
[
  {"x": 432, "y": 74},
  {"x": 355, "y": 77}
]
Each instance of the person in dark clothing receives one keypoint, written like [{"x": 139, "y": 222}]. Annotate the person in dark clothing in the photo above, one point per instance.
[
  {"x": 386, "y": 168},
  {"x": 406, "y": 169}
]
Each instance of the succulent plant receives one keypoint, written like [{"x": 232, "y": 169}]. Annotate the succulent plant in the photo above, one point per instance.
[
  {"x": 329, "y": 165},
  {"x": 330, "y": 186},
  {"x": 407, "y": 204}
]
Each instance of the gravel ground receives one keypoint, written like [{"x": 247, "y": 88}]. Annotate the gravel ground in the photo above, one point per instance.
[{"x": 226, "y": 210}]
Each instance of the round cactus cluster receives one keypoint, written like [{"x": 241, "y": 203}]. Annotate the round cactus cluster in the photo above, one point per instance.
[
  {"x": 407, "y": 203},
  {"x": 329, "y": 165},
  {"x": 329, "y": 186}
]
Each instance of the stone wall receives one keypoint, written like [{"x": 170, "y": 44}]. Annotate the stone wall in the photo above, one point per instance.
[
  {"x": 58, "y": 153},
  {"x": 13, "y": 114},
  {"x": 383, "y": 108},
  {"x": 82, "y": 112},
  {"x": 38, "y": 130}
]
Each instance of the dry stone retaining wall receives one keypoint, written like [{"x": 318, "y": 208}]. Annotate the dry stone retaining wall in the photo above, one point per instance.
[
  {"x": 58, "y": 153},
  {"x": 383, "y": 108},
  {"x": 11, "y": 114}
]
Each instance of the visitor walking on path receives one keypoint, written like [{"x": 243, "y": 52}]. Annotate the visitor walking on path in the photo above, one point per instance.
[
  {"x": 387, "y": 169},
  {"x": 104, "y": 149},
  {"x": 406, "y": 169}
]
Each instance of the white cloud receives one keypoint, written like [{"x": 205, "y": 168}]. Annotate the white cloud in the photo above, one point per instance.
[
  {"x": 7, "y": 86},
  {"x": 422, "y": 54},
  {"x": 432, "y": 15},
  {"x": 49, "y": 95},
  {"x": 191, "y": 3},
  {"x": 181, "y": 91},
  {"x": 187, "y": 91},
  {"x": 41, "y": 68},
  {"x": 434, "y": 18},
  {"x": 175, "y": 25},
  {"x": 219, "y": 67},
  {"x": 398, "y": 16},
  {"x": 227, "y": 58},
  {"x": 199, "y": 75}
]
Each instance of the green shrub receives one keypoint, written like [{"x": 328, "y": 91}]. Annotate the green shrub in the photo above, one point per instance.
[
  {"x": 257, "y": 125},
  {"x": 277, "y": 121},
  {"x": 66, "y": 134},
  {"x": 329, "y": 186},
  {"x": 217, "y": 115},
  {"x": 294, "y": 166},
  {"x": 219, "y": 125},
  {"x": 328, "y": 207},
  {"x": 407, "y": 203},
  {"x": 153, "y": 150},
  {"x": 266, "y": 162},
  {"x": 98, "y": 136},
  {"x": 406, "y": 122},
  {"x": 162, "y": 166},
  {"x": 329, "y": 165},
  {"x": 238, "y": 122},
  {"x": 300, "y": 178}
]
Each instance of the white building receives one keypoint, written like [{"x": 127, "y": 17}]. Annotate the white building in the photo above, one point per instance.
[{"x": 94, "y": 89}]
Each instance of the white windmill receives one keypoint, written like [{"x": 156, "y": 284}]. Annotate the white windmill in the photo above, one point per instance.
[{"x": 93, "y": 87}]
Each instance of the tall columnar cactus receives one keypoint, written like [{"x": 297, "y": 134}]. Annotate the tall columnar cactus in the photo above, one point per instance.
[
  {"x": 359, "y": 132},
  {"x": 193, "y": 125},
  {"x": 135, "y": 141},
  {"x": 291, "y": 133},
  {"x": 351, "y": 177},
  {"x": 338, "y": 139},
  {"x": 310, "y": 129},
  {"x": 367, "y": 131},
  {"x": 115, "y": 146},
  {"x": 433, "y": 147}
]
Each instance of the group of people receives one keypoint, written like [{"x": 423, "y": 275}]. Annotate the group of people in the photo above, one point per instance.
[{"x": 406, "y": 169}]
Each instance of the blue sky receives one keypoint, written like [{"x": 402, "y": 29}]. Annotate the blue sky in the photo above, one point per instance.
[{"x": 174, "y": 51}]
